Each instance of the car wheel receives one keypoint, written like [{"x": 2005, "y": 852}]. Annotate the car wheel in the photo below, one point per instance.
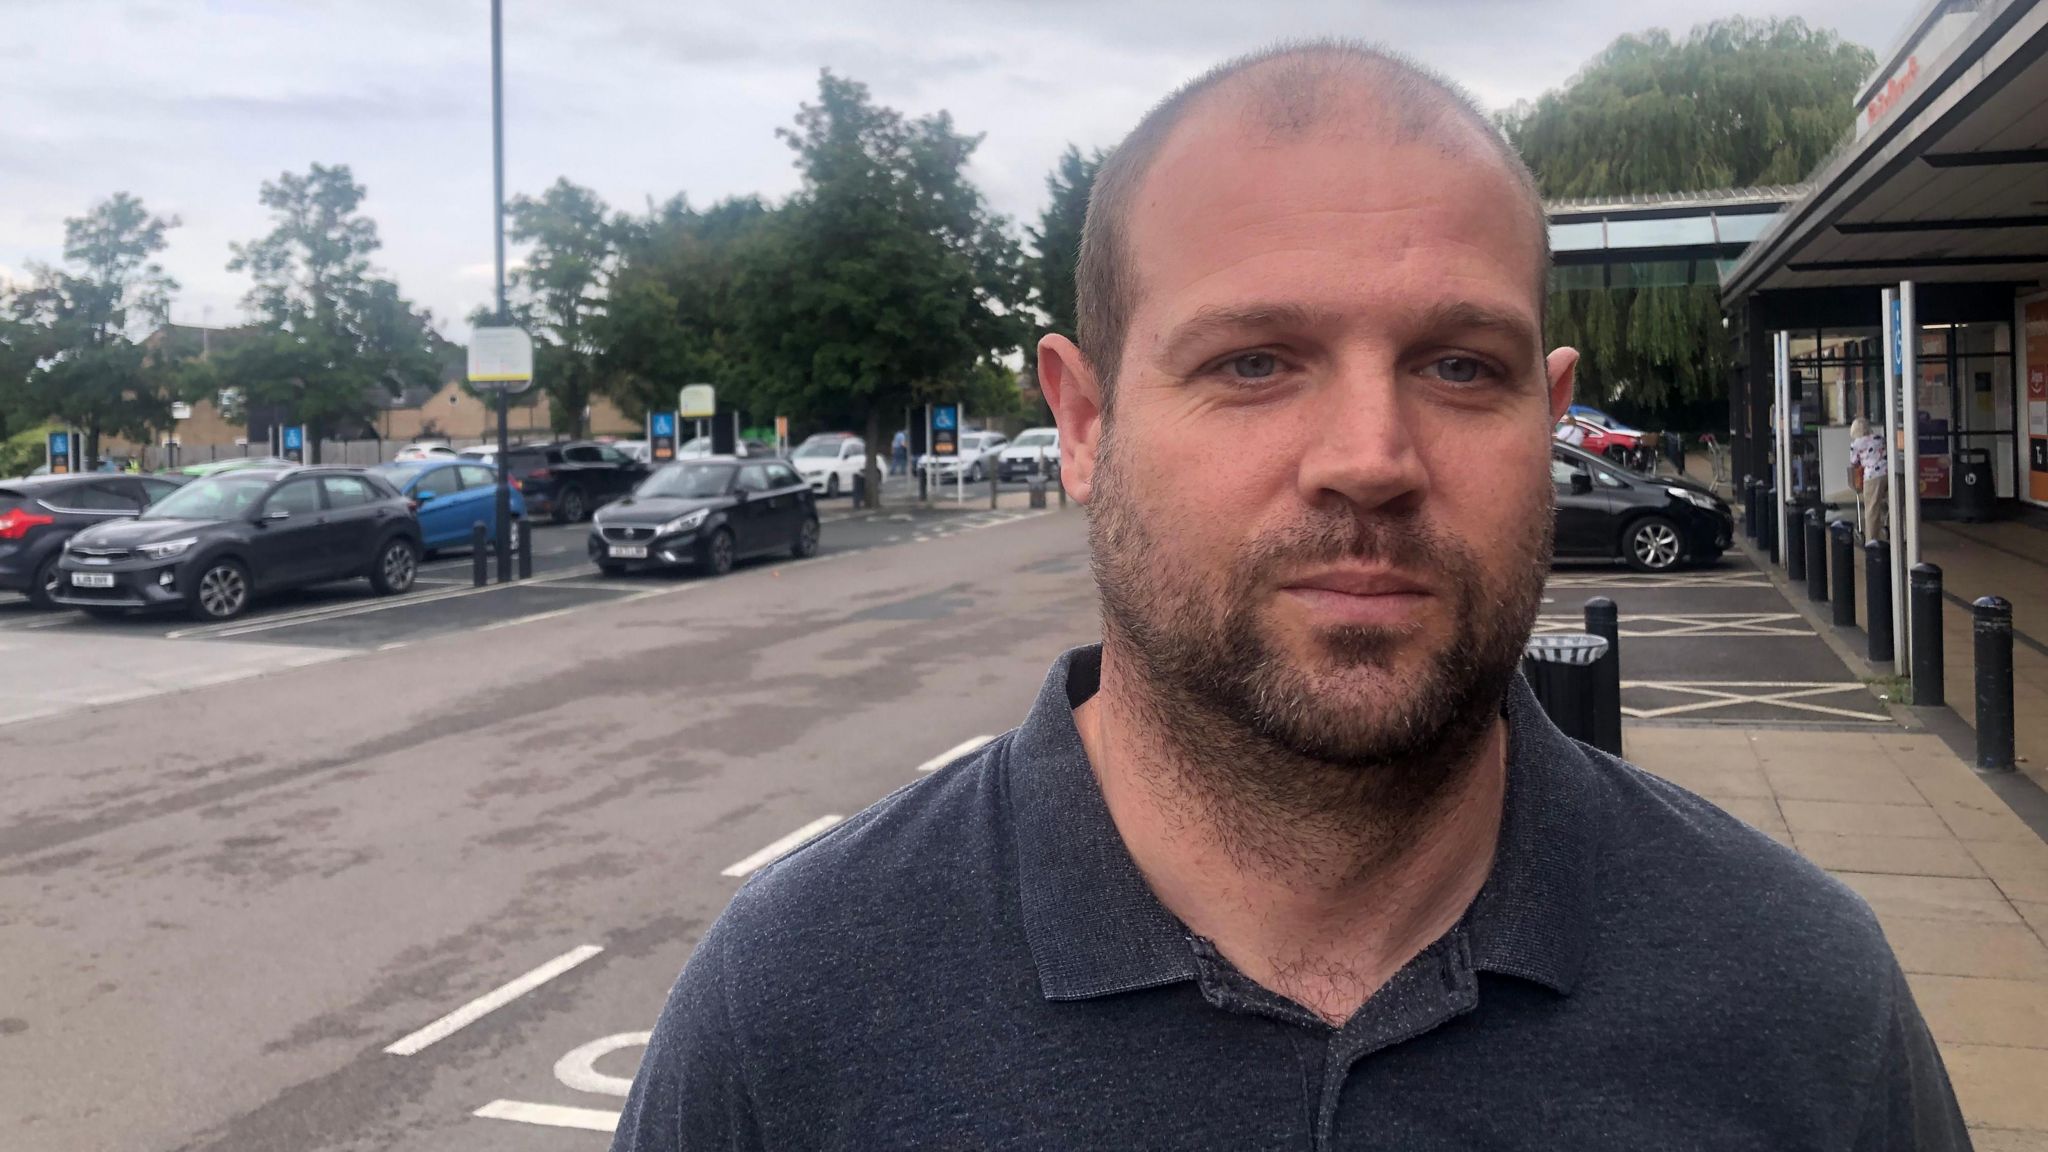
[
  {"x": 974, "y": 474},
  {"x": 1652, "y": 545},
  {"x": 806, "y": 545},
  {"x": 832, "y": 486},
  {"x": 221, "y": 593},
  {"x": 397, "y": 566},
  {"x": 718, "y": 552},
  {"x": 44, "y": 586},
  {"x": 570, "y": 506}
]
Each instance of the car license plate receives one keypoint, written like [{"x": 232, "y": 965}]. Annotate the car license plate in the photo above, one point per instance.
[
  {"x": 629, "y": 552},
  {"x": 92, "y": 579}
]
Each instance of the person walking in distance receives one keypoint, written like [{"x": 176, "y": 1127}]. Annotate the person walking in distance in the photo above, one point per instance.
[
  {"x": 1867, "y": 475},
  {"x": 899, "y": 453},
  {"x": 1293, "y": 858}
]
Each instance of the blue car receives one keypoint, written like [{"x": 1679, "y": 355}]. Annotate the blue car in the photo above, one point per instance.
[{"x": 451, "y": 496}]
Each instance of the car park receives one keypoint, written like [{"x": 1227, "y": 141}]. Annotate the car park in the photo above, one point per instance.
[
  {"x": 566, "y": 482},
  {"x": 830, "y": 464},
  {"x": 215, "y": 545},
  {"x": 1654, "y": 523},
  {"x": 707, "y": 514},
  {"x": 975, "y": 457},
  {"x": 38, "y": 516},
  {"x": 1035, "y": 452},
  {"x": 451, "y": 497}
]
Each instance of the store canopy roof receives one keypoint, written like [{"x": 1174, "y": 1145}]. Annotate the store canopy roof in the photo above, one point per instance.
[{"x": 1946, "y": 177}]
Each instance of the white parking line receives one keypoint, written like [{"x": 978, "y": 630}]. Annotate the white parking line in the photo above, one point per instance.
[
  {"x": 552, "y": 1115},
  {"x": 953, "y": 753},
  {"x": 780, "y": 848},
  {"x": 491, "y": 1001}
]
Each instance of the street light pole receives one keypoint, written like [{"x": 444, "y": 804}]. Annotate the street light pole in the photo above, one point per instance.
[{"x": 504, "y": 509}]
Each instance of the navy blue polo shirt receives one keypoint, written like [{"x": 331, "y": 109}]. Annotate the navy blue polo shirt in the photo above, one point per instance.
[{"x": 976, "y": 962}]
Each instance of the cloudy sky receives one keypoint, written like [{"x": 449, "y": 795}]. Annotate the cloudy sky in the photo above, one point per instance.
[{"x": 191, "y": 104}]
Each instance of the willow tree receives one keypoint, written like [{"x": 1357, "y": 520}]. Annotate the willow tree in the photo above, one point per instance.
[{"x": 1733, "y": 104}]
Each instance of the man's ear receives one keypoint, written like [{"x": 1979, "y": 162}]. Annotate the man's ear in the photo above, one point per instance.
[
  {"x": 1075, "y": 397},
  {"x": 1562, "y": 367}
]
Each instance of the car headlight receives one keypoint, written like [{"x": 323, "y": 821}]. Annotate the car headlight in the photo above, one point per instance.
[
  {"x": 1697, "y": 499},
  {"x": 684, "y": 522},
  {"x": 165, "y": 549}
]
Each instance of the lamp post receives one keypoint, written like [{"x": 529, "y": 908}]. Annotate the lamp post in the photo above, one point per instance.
[{"x": 504, "y": 494}]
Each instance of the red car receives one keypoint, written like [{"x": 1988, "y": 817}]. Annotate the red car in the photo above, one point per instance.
[{"x": 1609, "y": 442}]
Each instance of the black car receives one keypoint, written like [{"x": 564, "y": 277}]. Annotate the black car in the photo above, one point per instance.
[
  {"x": 567, "y": 481},
  {"x": 708, "y": 514},
  {"x": 1656, "y": 523},
  {"x": 215, "y": 544},
  {"x": 37, "y": 516}
]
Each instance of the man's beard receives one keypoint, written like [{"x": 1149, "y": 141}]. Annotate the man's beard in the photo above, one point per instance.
[{"x": 1293, "y": 747}]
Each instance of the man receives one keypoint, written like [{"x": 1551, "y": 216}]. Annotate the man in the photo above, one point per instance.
[
  {"x": 1294, "y": 860},
  {"x": 1570, "y": 431},
  {"x": 1867, "y": 475}
]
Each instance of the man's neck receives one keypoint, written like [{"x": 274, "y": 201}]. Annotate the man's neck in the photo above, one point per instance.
[{"x": 1323, "y": 911}]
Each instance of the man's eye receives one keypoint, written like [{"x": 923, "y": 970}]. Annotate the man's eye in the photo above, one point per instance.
[
  {"x": 1459, "y": 369},
  {"x": 1253, "y": 366}
]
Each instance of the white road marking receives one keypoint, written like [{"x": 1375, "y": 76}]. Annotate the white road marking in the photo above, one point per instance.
[
  {"x": 360, "y": 608},
  {"x": 953, "y": 753},
  {"x": 551, "y": 1115},
  {"x": 491, "y": 1001},
  {"x": 780, "y": 848},
  {"x": 1651, "y": 580},
  {"x": 1712, "y": 694},
  {"x": 1690, "y": 624},
  {"x": 578, "y": 1069}
]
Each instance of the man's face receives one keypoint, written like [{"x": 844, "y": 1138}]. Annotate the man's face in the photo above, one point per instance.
[{"x": 1320, "y": 501}]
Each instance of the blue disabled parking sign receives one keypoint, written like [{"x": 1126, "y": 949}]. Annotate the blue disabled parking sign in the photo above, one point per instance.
[
  {"x": 664, "y": 424},
  {"x": 946, "y": 418},
  {"x": 295, "y": 443}
]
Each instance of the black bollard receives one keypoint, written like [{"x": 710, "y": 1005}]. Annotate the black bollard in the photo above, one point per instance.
[
  {"x": 1816, "y": 557},
  {"x": 479, "y": 554},
  {"x": 1770, "y": 523},
  {"x": 1991, "y": 624},
  {"x": 1749, "y": 508},
  {"x": 1037, "y": 492},
  {"x": 525, "y": 539},
  {"x": 1561, "y": 670},
  {"x": 924, "y": 480},
  {"x": 1877, "y": 599},
  {"x": 994, "y": 487},
  {"x": 1924, "y": 588},
  {"x": 1842, "y": 564},
  {"x": 1603, "y": 619},
  {"x": 1795, "y": 543}
]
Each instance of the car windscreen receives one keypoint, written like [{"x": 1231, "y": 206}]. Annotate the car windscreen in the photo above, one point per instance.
[
  {"x": 687, "y": 481},
  {"x": 214, "y": 498},
  {"x": 521, "y": 463},
  {"x": 1036, "y": 440},
  {"x": 402, "y": 474},
  {"x": 829, "y": 449}
]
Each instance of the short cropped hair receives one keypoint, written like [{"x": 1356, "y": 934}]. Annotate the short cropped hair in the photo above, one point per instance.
[{"x": 1286, "y": 88}]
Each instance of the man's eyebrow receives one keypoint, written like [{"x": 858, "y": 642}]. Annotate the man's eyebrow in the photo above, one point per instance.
[
  {"x": 1465, "y": 316},
  {"x": 1219, "y": 318}
]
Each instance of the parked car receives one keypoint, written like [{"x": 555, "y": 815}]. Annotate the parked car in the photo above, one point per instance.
[
  {"x": 426, "y": 450},
  {"x": 451, "y": 497},
  {"x": 699, "y": 447},
  {"x": 1592, "y": 415},
  {"x": 977, "y": 456},
  {"x": 708, "y": 514},
  {"x": 233, "y": 464},
  {"x": 1035, "y": 452},
  {"x": 567, "y": 481},
  {"x": 1655, "y": 523},
  {"x": 830, "y": 463},
  {"x": 215, "y": 545},
  {"x": 38, "y": 516}
]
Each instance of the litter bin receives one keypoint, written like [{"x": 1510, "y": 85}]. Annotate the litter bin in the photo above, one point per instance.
[
  {"x": 1976, "y": 489},
  {"x": 1562, "y": 669}
]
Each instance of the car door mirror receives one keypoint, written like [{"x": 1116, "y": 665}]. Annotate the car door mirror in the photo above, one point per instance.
[
  {"x": 423, "y": 497},
  {"x": 742, "y": 496},
  {"x": 1582, "y": 484}
]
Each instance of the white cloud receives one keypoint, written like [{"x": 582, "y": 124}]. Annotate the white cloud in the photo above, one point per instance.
[{"x": 192, "y": 104}]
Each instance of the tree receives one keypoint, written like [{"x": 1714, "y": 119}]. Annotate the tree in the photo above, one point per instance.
[
  {"x": 332, "y": 333},
  {"x": 78, "y": 327},
  {"x": 560, "y": 294},
  {"x": 887, "y": 280},
  {"x": 1737, "y": 102},
  {"x": 671, "y": 317},
  {"x": 1056, "y": 242}
]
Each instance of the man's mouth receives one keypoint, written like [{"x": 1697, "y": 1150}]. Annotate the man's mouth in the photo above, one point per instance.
[{"x": 1368, "y": 597}]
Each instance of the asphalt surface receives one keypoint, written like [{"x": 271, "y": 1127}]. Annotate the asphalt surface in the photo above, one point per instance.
[{"x": 252, "y": 915}]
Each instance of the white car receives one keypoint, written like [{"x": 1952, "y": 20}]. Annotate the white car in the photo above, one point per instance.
[
  {"x": 1035, "y": 452},
  {"x": 637, "y": 449},
  {"x": 830, "y": 463},
  {"x": 426, "y": 450},
  {"x": 976, "y": 458}
]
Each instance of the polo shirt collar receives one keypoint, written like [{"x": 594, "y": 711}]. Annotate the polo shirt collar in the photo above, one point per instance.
[{"x": 1096, "y": 929}]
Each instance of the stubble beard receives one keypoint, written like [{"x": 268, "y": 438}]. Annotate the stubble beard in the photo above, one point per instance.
[{"x": 1334, "y": 765}]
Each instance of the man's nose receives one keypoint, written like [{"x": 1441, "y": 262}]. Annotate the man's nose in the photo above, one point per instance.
[{"x": 1363, "y": 445}]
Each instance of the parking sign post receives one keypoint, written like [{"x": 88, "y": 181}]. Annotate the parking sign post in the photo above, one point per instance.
[
  {"x": 62, "y": 448},
  {"x": 501, "y": 361},
  {"x": 294, "y": 443},
  {"x": 661, "y": 437}
]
